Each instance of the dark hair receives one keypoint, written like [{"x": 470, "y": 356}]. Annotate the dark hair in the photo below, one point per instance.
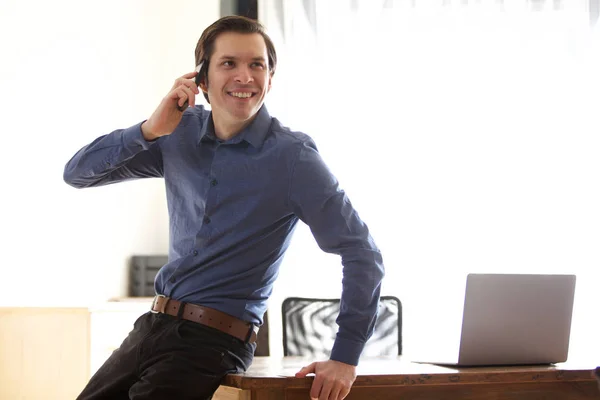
[{"x": 233, "y": 23}]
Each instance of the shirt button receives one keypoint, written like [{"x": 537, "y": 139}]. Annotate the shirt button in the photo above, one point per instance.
[
  {"x": 195, "y": 252},
  {"x": 172, "y": 280},
  {"x": 214, "y": 182},
  {"x": 206, "y": 220}
]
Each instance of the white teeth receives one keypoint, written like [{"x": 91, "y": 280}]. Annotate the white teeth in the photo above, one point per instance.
[{"x": 242, "y": 95}]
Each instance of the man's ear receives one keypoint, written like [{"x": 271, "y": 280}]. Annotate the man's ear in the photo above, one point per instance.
[
  {"x": 270, "y": 81},
  {"x": 203, "y": 75},
  {"x": 203, "y": 85}
]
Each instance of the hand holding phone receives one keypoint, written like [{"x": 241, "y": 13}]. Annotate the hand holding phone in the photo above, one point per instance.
[
  {"x": 197, "y": 81},
  {"x": 165, "y": 118}
]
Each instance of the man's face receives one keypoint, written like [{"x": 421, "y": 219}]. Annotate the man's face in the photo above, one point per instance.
[{"x": 238, "y": 77}]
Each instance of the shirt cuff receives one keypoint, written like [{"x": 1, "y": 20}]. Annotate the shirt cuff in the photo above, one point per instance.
[
  {"x": 346, "y": 351},
  {"x": 133, "y": 137}
]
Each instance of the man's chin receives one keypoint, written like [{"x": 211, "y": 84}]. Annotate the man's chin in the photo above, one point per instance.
[{"x": 244, "y": 115}]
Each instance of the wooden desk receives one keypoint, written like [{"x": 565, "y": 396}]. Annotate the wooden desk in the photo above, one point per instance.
[{"x": 391, "y": 378}]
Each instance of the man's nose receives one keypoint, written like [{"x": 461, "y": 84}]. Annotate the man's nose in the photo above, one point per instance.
[{"x": 244, "y": 75}]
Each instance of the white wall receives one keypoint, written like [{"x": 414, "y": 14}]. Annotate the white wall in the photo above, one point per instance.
[
  {"x": 467, "y": 140},
  {"x": 71, "y": 71}
]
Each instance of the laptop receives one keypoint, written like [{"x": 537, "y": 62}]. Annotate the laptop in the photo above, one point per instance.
[{"x": 508, "y": 319}]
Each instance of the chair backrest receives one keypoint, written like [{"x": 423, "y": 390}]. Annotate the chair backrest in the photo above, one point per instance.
[{"x": 309, "y": 327}]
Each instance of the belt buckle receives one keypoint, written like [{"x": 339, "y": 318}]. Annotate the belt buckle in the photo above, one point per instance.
[{"x": 154, "y": 302}]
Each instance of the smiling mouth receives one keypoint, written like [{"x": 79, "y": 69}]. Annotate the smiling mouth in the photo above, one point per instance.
[{"x": 241, "y": 95}]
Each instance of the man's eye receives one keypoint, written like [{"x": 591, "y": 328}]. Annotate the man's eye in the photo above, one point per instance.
[
  {"x": 258, "y": 65},
  {"x": 228, "y": 63}
]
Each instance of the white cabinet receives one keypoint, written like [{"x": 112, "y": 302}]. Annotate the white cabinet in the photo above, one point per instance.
[
  {"x": 44, "y": 352},
  {"x": 51, "y": 353}
]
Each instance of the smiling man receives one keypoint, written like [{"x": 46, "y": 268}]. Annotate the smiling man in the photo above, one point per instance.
[{"x": 237, "y": 183}]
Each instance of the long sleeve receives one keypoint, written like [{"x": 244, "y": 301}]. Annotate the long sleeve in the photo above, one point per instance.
[
  {"x": 121, "y": 155},
  {"x": 317, "y": 200}
]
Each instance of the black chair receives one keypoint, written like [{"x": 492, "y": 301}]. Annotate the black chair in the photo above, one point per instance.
[{"x": 309, "y": 327}]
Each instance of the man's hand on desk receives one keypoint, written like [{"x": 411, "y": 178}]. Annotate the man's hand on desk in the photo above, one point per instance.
[{"x": 333, "y": 379}]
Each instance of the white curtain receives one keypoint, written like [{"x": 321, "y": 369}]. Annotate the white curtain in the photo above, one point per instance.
[{"x": 465, "y": 133}]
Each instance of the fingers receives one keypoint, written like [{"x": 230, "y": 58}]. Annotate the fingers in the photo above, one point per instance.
[
  {"x": 187, "y": 80},
  {"x": 331, "y": 382},
  {"x": 344, "y": 391},
  {"x": 184, "y": 91},
  {"x": 183, "y": 97},
  {"x": 328, "y": 390},
  {"x": 317, "y": 386},
  {"x": 189, "y": 75},
  {"x": 325, "y": 391},
  {"x": 190, "y": 97},
  {"x": 306, "y": 370},
  {"x": 336, "y": 392}
]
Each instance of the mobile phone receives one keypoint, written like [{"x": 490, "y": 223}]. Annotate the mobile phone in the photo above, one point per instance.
[{"x": 197, "y": 81}]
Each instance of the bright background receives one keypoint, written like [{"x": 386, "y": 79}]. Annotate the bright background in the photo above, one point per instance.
[{"x": 466, "y": 136}]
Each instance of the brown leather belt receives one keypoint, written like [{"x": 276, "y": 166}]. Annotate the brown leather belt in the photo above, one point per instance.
[{"x": 235, "y": 327}]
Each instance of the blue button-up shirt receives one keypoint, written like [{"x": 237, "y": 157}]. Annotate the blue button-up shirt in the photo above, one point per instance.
[{"x": 233, "y": 206}]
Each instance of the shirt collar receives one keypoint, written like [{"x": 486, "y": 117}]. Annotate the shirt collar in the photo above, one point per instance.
[{"x": 254, "y": 134}]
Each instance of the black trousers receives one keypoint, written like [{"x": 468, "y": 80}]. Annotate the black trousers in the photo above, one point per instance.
[{"x": 168, "y": 358}]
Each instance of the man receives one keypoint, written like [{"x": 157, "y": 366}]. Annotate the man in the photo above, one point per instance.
[{"x": 237, "y": 182}]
